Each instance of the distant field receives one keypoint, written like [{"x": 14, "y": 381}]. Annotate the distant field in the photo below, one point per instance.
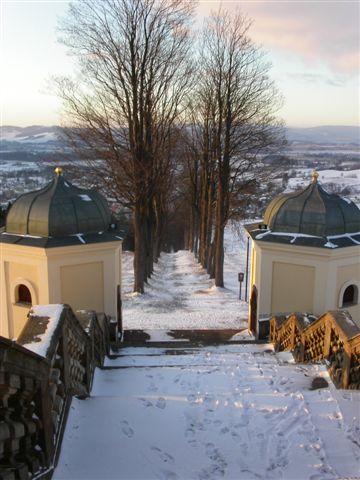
[{"x": 28, "y": 157}]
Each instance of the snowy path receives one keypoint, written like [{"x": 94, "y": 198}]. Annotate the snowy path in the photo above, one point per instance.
[
  {"x": 233, "y": 412},
  {"x": 180, "y": 295}
]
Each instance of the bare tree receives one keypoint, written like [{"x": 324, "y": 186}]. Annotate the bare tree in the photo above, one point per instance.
[
  {"x": 238, "y": 103},
  {"x": 122, "y": 110}
]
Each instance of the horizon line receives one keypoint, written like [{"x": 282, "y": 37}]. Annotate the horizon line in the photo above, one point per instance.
[{"x": 285, "y": 126}]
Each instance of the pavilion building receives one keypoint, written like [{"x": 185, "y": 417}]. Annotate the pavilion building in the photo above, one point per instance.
[
  {"x": 60, "y": 245},
  {"x": 305, "y": 255}
]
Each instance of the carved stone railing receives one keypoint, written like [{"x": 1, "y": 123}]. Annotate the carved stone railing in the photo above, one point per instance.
[
  {"x": 333, "y": 337},
  {"x": 53, "y": 359}
]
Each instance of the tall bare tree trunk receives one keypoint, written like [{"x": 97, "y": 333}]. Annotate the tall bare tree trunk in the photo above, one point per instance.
[
  {"x": 123, "y": 110},
  {"x": 139, "y": 250}
]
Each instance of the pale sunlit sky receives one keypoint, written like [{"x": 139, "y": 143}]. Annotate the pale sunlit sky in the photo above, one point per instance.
[{"x": 313, "y": 46}]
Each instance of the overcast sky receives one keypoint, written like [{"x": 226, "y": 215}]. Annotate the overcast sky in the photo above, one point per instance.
[{"x": 313, "y": 46}]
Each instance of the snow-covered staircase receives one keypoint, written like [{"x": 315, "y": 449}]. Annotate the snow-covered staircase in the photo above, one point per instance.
[{"x": 227, "y": 411}]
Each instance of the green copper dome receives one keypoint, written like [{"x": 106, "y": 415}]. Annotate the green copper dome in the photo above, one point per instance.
[
  {"x": 57, "y": 210},
  {"x": 312, "y": 211}
]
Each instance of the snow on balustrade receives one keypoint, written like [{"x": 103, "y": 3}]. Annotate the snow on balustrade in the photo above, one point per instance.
[{"x": 47, "y": 318}]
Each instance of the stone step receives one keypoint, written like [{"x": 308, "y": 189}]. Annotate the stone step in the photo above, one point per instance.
[
  {"x": 230, "y": 354},
  {"x": 185, "y": 337}
]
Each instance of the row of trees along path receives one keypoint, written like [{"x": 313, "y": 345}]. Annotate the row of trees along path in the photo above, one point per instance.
[{"x": 177, "y": 130}]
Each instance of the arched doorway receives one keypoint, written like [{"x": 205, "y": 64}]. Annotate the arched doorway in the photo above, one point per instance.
[{"x": 253, "y": 310}]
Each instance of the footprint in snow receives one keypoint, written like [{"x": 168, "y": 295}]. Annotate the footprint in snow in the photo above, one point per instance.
[
  {"x": 165, "y": 457},
  {"x": 145, "y": 402},
  {"x": 169, "y": 475},
  {"x": 126, "y": 429},
  {"x": 208, "y": 399},
  {"x": 243, "y": 423},
  {"x": 224, "y": 430},
  {"x": 161, "y": 403},
  {"x": 218, "y": 468},
  {"x": 192, "y": 442}
]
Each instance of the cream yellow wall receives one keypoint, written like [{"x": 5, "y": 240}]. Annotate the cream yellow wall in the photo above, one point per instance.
[
  {"x": 292, "y": 288},
  {"x": 41, "y": 270},
  {"x": 108, "y": 254},
  {"x": 20, "y": 265},
  {"x": 82, "y": 286},
  {"x": 331, "y": 267},
  {"x": 254, "y": 261}
]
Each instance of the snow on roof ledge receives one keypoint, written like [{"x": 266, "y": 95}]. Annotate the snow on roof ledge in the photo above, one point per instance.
[
  {"x": 294, "y": 236},
  {"x": 47, "y": 318}
]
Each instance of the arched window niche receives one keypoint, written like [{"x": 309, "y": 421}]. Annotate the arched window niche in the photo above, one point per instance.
[
  {"x": 349, "y": 295},
  {"x": 23, "y": 293}
]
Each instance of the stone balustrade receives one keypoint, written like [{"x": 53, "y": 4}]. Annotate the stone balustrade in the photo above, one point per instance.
[
  {"x": 36, "y": 389},
  {"x": 333, "y": 337}
]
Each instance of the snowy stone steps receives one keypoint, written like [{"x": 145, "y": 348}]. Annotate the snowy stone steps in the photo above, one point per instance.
[
  {"x": 248, "y": 347},
  {"x": 195, "y": 356},
  {"x": 193, "y": 337},
  {"x": 329, "y": 428},
  {"x": 180, "y": 360},
  {"x": 247, "y": 415}
]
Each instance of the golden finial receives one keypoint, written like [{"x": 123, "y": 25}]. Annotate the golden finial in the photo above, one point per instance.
[
  {"x": 315, "y": 176},
  {"x": 58, "y": 171}
]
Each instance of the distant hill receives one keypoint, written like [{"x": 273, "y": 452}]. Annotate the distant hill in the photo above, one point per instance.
[
  {"x": 48, "y": 135},
  {"x": 325, "y": 135},
  {"x": 32, "y": 134}
]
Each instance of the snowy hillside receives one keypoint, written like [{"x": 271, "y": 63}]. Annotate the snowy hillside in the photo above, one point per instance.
[
  {"x": 36, "y": 134},
  {"x": 325, "y": 134},
  {"x": 318, "y": 135}
]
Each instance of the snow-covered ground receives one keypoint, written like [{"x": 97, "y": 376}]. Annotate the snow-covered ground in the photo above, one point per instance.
[
  {"x": 346, "y": 178},
  {"x": 329, "y": 179},
  {"x": 233, "y": 412},
  {"x": 180, "y": 294}
]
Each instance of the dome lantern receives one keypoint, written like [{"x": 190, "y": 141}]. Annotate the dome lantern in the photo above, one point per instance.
[{"x": 315, "y": 176}]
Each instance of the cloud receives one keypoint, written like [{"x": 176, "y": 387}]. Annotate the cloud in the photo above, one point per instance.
[
  {"x": 334, "y": 81},
  {"x": 322, "y": 32}
]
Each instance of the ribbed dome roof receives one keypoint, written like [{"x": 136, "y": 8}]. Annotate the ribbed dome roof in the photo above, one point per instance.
[
  {"x": 312, "y": 211},
  {"x": 58, "y": 210}
]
